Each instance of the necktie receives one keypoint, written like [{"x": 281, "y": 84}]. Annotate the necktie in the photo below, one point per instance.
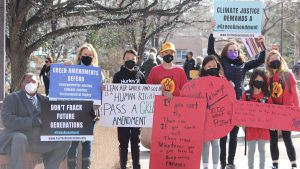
[{"x": 33, "y": 101}]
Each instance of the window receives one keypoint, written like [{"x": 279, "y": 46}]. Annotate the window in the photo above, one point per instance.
[{"x": 181, "y": 53}]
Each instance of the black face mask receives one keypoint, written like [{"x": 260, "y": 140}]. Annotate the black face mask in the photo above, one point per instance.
[
  {"x": 129, "y": 64},
  {"x": 86, "y": 60},
  {"x": 168, "y": 58},
  {"x": 213, "y": 71},
  {"x": 275, "y": 64},
  {"x": 258, "y": 84}
]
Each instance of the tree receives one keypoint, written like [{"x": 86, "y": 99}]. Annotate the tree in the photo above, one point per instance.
[{"x": 25, "y": 20}]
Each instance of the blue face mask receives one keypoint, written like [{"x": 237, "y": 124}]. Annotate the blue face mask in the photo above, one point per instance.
[{"x": 232, "y": 55}]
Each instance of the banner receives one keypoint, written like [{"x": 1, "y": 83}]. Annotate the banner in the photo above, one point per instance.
[
  {"x": 67, "y": 121},
  {"x": 177, "y": 133},
  {"x": 218, "y": 94},
  {"x": 268, "y": 116},
  {"x": 238, "y": 19},
  {"x": 128, "y": 105},
  {"x": 75, "y": 82}
]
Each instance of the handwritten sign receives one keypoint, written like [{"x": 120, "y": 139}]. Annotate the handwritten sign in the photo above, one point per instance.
[
  {"x": 252, "y": 114},
  {"x": 128, "y": 105},
  {"x": 237, "y": 18},
  {"x": 75, "y": 82},
  {"x": 218, "y": 95},
  {"x": 67, "y": 121},
  {"x": 177, "y": 133}
]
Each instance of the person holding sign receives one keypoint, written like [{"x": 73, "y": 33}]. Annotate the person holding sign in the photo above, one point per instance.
[
  {"x": 189, "y": 64},
  {"x": 21, "y": 118},
  {"x": 87, "y": 56},
  {"x": 129, "y": 74},
  {"x": 235, "y": 67},
  {"x": 45, "y": 74},
  {"x": 258, "y": 92},
  {"x": 283, "y": 91},
  {"x": 210, "y": 67},
  {"x": 169, "y": 75}
]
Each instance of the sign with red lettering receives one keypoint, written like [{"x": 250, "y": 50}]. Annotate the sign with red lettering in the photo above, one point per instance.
[
  {"x": 218, "y": 94},
  {"x": 252, "y": 114},
  {"x": 177, "y": 133}
]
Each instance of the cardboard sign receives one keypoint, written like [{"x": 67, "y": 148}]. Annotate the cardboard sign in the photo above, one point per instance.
[
  {"x": 67, "y": 121},
  {"x": 194, "y": 74},
  {"x": 269, "y": 116},
  {"x": 238, "y": 19},
  {"x": 253, "y": 46},
  {"x": 128, "y": 105},
  {"x": 75, "y": 82},
  {"x": 218, "y": 94},
  {"x": 177, "y": 133}
]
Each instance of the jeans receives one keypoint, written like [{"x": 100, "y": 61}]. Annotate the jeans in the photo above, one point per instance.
[
  {"x": 124, "y": 135},
  {"x": 215, "y": 151}
]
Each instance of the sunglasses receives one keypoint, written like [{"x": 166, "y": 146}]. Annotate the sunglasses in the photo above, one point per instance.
[{"x": 46, "y": 61}]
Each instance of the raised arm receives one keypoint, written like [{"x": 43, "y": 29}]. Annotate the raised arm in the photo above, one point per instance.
[
  {"x": 256, "y": 62},
  {"x": 211, "y": 46}
]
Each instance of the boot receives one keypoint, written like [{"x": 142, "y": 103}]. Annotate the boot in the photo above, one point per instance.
[{"x": 86, "y": 163}]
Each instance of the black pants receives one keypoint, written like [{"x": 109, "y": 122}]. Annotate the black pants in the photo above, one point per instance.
[
  {"x": 232, "y": 147},
  {"x": 124, "y": 135},
  {"x": 286, "y": 135}
]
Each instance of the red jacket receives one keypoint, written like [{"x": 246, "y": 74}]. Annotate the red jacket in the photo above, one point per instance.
[{"x": 257, "y": 133}]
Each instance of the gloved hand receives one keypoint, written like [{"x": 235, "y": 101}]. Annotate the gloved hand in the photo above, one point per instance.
[{"x": 36, "y": 122}]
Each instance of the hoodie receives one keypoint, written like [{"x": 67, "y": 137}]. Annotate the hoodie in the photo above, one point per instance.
[{"x": 125, "y": 76}]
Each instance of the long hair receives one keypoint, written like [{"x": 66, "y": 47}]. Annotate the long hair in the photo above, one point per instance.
[
  {"x": 241, "y": 56},
  {"x": 261, "y": 73},
  {"x": 283, "y": 67},
  {"x": 91, "y": 49},
  {"x": 205, "y": 61}
]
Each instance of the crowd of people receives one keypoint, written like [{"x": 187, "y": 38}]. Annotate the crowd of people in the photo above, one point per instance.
[{"x": 276, "y": 85}]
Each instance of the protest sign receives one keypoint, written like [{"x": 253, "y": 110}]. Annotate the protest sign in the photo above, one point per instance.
[
  {"x": 218, "y": 94},
  {"x": 67, "y": 121},
  {"x": 253, "y": 46},
  {"x": 177, "y": 133},
  {"x": 269, "y": 116},
  {"x": 238, "y": 19},
  {"x": 128, "y": 105},
  {"x": 75, "y": 82}
]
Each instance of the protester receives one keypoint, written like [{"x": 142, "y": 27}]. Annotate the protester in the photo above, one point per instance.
[
  {"x": 21, "y": 117},
  {"x": 129, "y": 74},
  {"x": 199, "y": 61},
  {"x": 283, "y": 89},
  {"x": 158, "y": 58},
  {"x": 210, "y": 67},
  {"x": 235, "y": 67},
  {"x": 169, "y": 75},
  {"x": 189, "y": 64},
  {"x": 258, "y": 92},
  {"x": 87, "y": 56},
  {"x": 45, "y": 74},
  {"x": 149, "y": 64}
]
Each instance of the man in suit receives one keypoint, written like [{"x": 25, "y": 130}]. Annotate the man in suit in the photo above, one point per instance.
[{"x": 21, "y": 118}]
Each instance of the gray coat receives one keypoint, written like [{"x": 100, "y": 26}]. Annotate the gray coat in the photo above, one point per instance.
[{"x": 17, "y": 115}]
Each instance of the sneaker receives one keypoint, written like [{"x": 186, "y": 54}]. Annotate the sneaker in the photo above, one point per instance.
[{"x": 230, "y": 166}]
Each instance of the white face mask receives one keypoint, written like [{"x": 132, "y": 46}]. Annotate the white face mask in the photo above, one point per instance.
[{"x": 31, "y": 88}]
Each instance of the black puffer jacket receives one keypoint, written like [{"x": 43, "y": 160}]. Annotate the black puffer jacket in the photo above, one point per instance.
[{"x": 235, "y": 70}]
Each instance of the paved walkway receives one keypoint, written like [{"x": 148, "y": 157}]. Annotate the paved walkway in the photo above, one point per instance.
[{"x": 241, "y": 160}]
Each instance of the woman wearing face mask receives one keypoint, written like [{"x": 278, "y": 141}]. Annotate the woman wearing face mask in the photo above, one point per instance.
[
  {"x": 210, "y": 67},
  {"x": 86, "y": 55},
  {"x": 129, "y": 74},
  {"x": 283, "y": 89},
  {"x": 258, "y": 92},
  {"x": 169, "y": 75},
  {"x": 235, "y": 67},
  {"x": 45, "y": 74}
]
